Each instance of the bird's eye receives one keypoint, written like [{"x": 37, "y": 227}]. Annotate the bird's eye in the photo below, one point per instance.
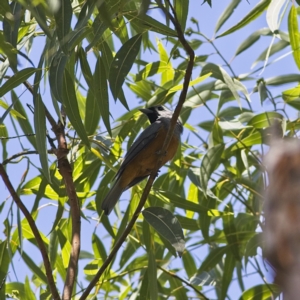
[{"x": 160, "y": 108}]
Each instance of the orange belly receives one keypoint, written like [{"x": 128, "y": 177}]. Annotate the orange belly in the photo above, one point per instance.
[{"x": 143, "y": 164}]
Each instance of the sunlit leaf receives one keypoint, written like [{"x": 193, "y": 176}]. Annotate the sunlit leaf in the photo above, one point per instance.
[
  {"x": 262, "y": 292},
  {"x": 294, "y": 34},
  {"x": 252, "y": 15},
  {"x": 227, "y": 13},
  {"x": 265, "y": 119}
]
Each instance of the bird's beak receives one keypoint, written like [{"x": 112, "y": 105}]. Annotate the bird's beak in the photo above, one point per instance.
[{"x": 145, "y": 110}]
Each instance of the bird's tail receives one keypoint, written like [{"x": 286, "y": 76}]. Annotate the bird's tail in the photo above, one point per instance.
[{"x": 112, "y": 198}]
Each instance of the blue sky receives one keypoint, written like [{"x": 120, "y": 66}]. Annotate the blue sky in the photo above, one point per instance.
[{"x": 207, "y": 18}]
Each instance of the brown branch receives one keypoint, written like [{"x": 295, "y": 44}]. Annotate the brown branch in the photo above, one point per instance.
[
  {"x": 151, "y": 179},
  {"x": 6, "y": 161},
  {"x": 184, "y": 281},
  {"x": 34, "y": 230},
  {"x": 65, "y": 170}
]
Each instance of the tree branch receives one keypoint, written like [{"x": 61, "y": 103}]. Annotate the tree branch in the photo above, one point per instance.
[
  {"x": 35, "y": 232},
  {"x": 6, "y": 161},
  {"x": 151, "y": 179},
  {"x": 65, "y": 170}
]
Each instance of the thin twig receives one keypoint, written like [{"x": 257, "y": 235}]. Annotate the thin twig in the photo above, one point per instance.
[
  {"x": 183, "y": 280},
  {"x": 34, "y": 230},
  {"x": 47, "y": 113},
  {"x": 6, "y": 161},
  {"x": 151, "y": 179}
]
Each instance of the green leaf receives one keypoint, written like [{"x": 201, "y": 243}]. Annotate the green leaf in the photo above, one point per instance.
[
  {"x": 16, "y": 288},
  {"x": 254, "y": 138},
  {"x": 261, "y": 292},
  {"x": 98, "y": 247},
  {"x": 40, "y": 131},
  {"x": 75, "y": 37},
  {"x": 282, "y": 79},
  {"x": 181, "y": 202},
  {"x": 209, "y": 163},
  {"x": 99, "y": 28},
  {"x": 16, "y": 80},
  {"x": 4, "y": 265},
  {"x": 24, "y": 123},
  {"x": 8, "y": 50},
  {"x": 11, "y": 28},
  {"x": 9, "y": 110},
  {"x": 107, "y": 56},
  {"x": 151, "y": 69},
  {"x": 65, "y": 244},
  {"x": 227, "y": 13},
  {"x": 85, "y": 13},
  {"x": 205, "y": 278},
  {"x": 251, "y": 39},
  {"x": 189, "y": 264},
  {"x": 228, "y": 273},
  {"x": 152, "y": 276},
  {"x": 91, "y": 268},
  {"x": 122, "y": 63},
  {"x": 231, "y": 232},
  {"x": 28, "y": 291},
  {"x": 71, "y": 107},
  {"x": 101, "y": 92},
  {"x": 56, "y": 74},
  {"x": 212, "y": 259},
  {"x": 85, "y": 68},
  {"x": 166, "y": 224},
  {"x": 230, "y": 83},
  {"x": 265, "y": 119},
  {"x": 33, "y": 267},
  {"x": 4, "y": 8},
  {"x": 142, "y": 23},
  {"x": 252, "y": 15},
  {"x": 39, "y": 13},
  {"x": 271, "y": 50},
  {"x": 291, "y": 94},
  {"x": 92, "y": 113},
  {"x": 63, "y": 17},
  {"x": 192, "y": 83},
  {"x": 181, "y": 8},
  {"x": 294, "y": 34},
  {"x": 252, "y": 245}
]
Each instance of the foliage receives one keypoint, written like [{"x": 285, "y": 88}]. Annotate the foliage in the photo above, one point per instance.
[{"x": 83, "y": 63}]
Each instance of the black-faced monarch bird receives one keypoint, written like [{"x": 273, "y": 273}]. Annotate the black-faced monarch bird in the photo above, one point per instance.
[{"x": 142, "y": 156}]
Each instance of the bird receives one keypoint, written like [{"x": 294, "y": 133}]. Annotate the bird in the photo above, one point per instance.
[{"x": 141, "y": 158}]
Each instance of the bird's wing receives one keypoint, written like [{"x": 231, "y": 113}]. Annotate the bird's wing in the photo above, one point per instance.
[{"x": 140, "y": 143}]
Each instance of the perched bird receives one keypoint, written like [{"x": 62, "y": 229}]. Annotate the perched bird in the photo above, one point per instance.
[{"x": 142, "y": 156}]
